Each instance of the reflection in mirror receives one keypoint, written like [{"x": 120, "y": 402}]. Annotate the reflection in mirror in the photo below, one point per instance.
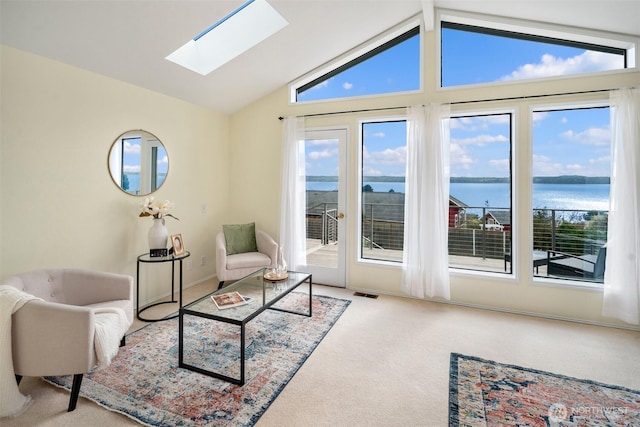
[{"x": 138, "y": 162}]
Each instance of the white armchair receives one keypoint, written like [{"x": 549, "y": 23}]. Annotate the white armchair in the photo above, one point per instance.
[
  {"x": 76, "y": 323},
  {"x": 239, "y": 265}
]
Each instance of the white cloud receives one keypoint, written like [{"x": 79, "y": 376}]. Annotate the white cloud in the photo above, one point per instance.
[
  {"x": 377, "y": 135},
  {"x": 549, "y": 65},
  {"x": 347, "y": 85},
  {"x": 546, "y": 168},
  {"x": 593, "y": 136},
  {"x": 321, "y": 142},
  {"x": 539, "y": 116},
  {"x": 459, "y": 158},
  {"x": 391, "y": 161},
  {"x": 477, "y": 123},
  {"x": 481, "y": 140},
  {"x": 460, "y": 122},
  {"x": 131, "y": 148},
  {"x": 131, "y": 168},
  {"x": 543, "y": 166},
  {"x": 575, "y": 168},
  {"x": 371, "y": 172},
  {"x": 396, "y": 156},
  {"x": 324, "y": 154}
]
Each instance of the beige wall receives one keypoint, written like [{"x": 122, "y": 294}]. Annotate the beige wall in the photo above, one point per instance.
[
  {"x": 60, "y": 207},
  {"x": 255, "y": 155}
]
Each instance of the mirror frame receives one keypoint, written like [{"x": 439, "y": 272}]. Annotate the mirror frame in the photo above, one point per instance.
[{"x": 148, "y": 152}]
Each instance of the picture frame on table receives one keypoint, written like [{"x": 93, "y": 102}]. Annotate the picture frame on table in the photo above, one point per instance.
[{"x": 178, "y": 245}]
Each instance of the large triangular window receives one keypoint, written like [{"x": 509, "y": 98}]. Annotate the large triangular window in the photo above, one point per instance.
[{"x": 386, "y": 66}]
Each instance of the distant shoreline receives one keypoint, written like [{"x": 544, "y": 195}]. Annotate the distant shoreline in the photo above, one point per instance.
[{"x": 563, "y": 179}]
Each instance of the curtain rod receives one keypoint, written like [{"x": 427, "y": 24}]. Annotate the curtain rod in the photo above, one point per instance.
[{"x": 455, "y": 103}]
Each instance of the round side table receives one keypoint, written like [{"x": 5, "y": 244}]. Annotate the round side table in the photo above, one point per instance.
[{"x": 147, "y": 258}]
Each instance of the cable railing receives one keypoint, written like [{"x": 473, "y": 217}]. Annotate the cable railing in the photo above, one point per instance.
[
  {"x": 479, "y": 237},
  {"x": 322, "y": 222}
]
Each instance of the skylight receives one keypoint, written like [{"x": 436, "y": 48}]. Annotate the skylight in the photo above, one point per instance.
[{"x": 234, "y": 34}]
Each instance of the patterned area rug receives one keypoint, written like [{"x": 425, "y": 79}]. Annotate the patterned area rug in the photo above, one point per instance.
[
  {"x": 145, "y": 383},
  {"x": 487, "y": 393}
]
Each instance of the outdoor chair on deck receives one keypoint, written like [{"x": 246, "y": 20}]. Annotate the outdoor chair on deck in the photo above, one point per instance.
[{"x": 588, "y": 266}]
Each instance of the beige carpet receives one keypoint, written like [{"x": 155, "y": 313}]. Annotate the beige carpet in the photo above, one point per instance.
[{"x": 386, "y": 363}]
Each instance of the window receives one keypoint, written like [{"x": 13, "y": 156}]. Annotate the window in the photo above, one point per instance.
[
  {"x": 480, "y": 217},
  {"x": 571, "y": 177},
  {"x": 498, "y": 54},
  {"x": 130, "y": 179},
  {"x": 383, "y": 157},
  {"x": 392, "y": 66}
]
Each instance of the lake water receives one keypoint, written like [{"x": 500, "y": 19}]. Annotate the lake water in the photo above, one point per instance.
[
  {"x": 550, "y": 196},
  {"x": 134, "y": 181}
]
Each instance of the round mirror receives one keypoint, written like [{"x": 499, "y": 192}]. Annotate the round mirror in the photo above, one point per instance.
[{"x": 138, "y": 162}]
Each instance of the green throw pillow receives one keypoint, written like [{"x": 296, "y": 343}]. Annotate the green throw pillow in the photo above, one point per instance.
[{"x": 240, "y": 238}]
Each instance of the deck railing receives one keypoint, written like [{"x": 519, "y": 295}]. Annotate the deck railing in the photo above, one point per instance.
[{"x": 477, "y": 232}]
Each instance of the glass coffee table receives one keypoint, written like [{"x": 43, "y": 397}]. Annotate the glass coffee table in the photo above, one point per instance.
[{"x": 260, "y": 294}]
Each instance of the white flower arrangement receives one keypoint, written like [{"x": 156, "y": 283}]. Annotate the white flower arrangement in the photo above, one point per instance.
[{"x": 156, "y": 208}]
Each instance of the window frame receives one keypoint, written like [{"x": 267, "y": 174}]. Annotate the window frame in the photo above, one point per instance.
[
  {"x": 353, "y": 56},
  {"x": 566, "y": 283},
  {"x": 513, "y": 111},
  {"x": 557, "y": 34},
  {"x": 359, "y": 255}
]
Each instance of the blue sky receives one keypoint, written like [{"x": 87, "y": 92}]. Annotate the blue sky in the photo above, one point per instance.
[{"x": 565, "y": 142}]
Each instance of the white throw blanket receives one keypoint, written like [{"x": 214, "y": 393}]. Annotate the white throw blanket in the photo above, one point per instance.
[
  {"x": 111, "y": 325},
  {"x": 12, "y": 402}
]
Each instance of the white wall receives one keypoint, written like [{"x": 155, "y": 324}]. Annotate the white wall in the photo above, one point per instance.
[
  {"x": 60, "y": 207},
  {"x": 255, "y": 155}
]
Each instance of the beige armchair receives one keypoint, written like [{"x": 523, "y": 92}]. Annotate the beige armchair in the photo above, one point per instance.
[
  {"x": 239, "y": 265},
  {"x": 77, "y": 323}
]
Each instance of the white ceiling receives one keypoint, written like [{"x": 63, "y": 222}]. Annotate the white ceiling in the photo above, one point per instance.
[{"x": 128, "y": 40}]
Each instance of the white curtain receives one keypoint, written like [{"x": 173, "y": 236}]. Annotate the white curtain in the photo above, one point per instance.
[
  {"x": 622, "y": 273},
  {"x": 425, "y": 264},
  {"x": 293, "y": 195}
]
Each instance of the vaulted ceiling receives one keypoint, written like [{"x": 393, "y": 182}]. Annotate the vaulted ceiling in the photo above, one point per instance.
[{"x": 129, "y": 40}]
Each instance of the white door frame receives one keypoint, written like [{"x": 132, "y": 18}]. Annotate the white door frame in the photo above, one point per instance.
[{"x": 322, "y": 274}]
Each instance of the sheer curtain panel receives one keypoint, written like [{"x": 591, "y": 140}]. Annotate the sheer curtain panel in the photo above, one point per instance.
[
  {"x": 426, "y": 261},
  {"x": 622, "y": 271},
  {"x": 293, "y": 231}
]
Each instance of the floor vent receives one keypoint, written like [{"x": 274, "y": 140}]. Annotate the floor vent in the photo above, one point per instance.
[{"x": 360, "y": 294}]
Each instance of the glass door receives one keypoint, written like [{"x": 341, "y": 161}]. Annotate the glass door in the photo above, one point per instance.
[{"x": 325, "y": 201}]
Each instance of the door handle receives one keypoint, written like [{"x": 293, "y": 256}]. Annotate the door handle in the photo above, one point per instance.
[{"x": 340, "y": 215}]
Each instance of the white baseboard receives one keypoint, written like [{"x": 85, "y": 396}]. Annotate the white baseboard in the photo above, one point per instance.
[{"x": 506, "y": 310}]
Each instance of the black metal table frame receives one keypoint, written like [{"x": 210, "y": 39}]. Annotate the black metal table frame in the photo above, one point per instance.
[
  {"x": 538, "y": 261},
  {"x": 242, "y": 324},
  {"x": 151, "y": 260}
]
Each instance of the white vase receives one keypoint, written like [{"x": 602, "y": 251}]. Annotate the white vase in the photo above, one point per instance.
[{"x": 158, "y": 234}]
